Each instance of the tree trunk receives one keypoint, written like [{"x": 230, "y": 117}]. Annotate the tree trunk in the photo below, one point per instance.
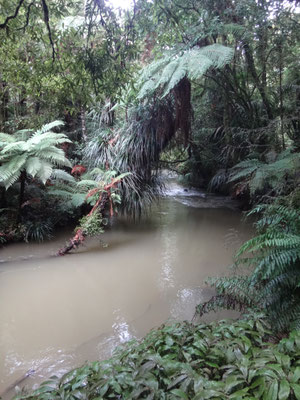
[
  {"x": 21, "y": 194},
  {"x": 80, "y": 235},
  {"x": 258, "y": 83},
  {"x": 83, "y": 123},
  {"x": 4, "y": 99}
]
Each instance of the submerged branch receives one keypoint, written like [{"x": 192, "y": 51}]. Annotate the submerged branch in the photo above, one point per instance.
[{"x": 104, "y": 201}]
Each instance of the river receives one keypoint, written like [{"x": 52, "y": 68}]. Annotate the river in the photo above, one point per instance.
[{"x": 58, "y": 312}]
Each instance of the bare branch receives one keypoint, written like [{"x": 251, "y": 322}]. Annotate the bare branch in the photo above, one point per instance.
[
  {"x": 27, "y": 17},
  {"x": 3, "y": 26},
  {"x": 46, "y": 19}
]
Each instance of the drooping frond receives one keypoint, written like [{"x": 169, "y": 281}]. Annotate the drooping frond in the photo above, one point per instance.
[
  {"x": 32, "y": 166},
  {"x": 193, "y": 63},
  {"x": 10, "y": 171},
  {"x": 45, "y": 171},
  {"x": 59, "y": 174},
  {"x": 13, "y": 148},
  {"x": 6, "y": 138},
  {"x": 257, "y": 174},
  {"x": 48, "y": 127}
]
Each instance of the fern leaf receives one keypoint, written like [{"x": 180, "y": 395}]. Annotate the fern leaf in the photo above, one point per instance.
[
  {"x": 6, "y": 138},
  {"x": 88, "y": 183},
  {"x": 62, "y": 175},
  {"x": 180, "y": 71},
  {"x": 78, "y": 199},
  {"x": 44, "y": 171},
  {"x": 32, "y": 166},
  {"x": 48, "y": 127},
  {"x": 219, "y": 55},
  {"x": 10, "y": 171},
  {"x": 15, "y": 147},
  {"x": 197, "y": 66}
]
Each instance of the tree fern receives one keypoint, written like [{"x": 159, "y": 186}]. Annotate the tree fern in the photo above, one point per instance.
[
  {"x": 193, "y": 63},
  {"x": 36, "y": 156},
  {"x": 257, "y": 174}
]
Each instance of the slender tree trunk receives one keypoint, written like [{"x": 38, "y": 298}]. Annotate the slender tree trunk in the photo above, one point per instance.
[
  {"x": 83, "y": 123},
  {"x": 4, "y": 99},
  {"x": 281, "y": 96},
  {"x": 21, "y": 194},
  {"x": 258, "y": 83},
  {"x": 3, "y": 201}
]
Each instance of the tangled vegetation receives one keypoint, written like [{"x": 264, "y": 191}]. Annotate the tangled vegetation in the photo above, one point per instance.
[
  {"x": 208, "y": 88},
  {"x": 273, "y": 258},
  {"x": 223, "y": 360}
]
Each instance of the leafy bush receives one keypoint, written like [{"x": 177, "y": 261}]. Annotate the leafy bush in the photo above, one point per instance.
[
  {"x": 275, "y": 178},
  {"x": 223, "y": 360}
]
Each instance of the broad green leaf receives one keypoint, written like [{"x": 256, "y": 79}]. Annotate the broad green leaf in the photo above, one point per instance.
[
  {"x": 284, "y": 390},
  {"x": 179, "y": 393},
  {"x": 296, "y": 389},
  {"x": 271, "y": 392}
]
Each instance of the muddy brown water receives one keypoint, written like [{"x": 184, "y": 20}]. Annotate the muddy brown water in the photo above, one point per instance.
[{"x": 58, "y": 312}]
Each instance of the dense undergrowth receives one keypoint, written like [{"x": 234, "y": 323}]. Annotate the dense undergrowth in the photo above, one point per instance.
[
  {"x": 220, "y": 360},
  {"x": 210, "y": 89}
]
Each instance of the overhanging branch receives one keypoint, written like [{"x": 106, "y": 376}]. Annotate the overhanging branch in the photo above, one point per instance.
[
  {"x": 46, "y": 19},
  {"x": 3, "y": 26}
]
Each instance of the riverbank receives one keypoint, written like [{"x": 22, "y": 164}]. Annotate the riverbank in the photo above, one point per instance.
[
  {"x": 223, "y": 360},
  {"x": 83, "y": 305}
]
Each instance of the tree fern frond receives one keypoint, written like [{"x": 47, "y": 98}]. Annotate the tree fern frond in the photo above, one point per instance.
[
  {"x": 148, "y": 87},
  {"x": 14, "y": 148},
  {"x": 244, "y": 169},
  {"x": 180, "y": 69},
  {"x": 48, "y": 139},
  {"x": 197, "y": 68},
  {"x": 44, "y": 171},
  {"x": 272, "y": 174},
  {"x": 171, "y": 69},
  {"x": 78, "y": 199},
  {"x": 32, "y": 166},
  {"x": 55, "y": 155},
  {"x": 6, "y": 138},
  {"x": 62, "y": 175},
  {"x": 8, "y": 170},
  {"x": 48, "y": 127},
  {"x": 87, "y": 183},
  {"x": 219, "y": 55}
]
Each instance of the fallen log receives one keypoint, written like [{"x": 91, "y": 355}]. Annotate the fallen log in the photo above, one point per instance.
[{"x": 104, "y": 201}]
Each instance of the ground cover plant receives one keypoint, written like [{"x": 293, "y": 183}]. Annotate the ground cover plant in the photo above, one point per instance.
[{"x": 220, "y": 360}]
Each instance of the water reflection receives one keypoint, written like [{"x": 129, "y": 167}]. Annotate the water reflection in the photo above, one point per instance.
[
  {"x": 121, "y": 328},
  {"x": 169, "y": 254},
  {"x": 56, "y": 313}
]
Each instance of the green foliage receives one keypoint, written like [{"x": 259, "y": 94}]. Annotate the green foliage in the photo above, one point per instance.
[
  {"x": 87, "y": 189},
  {"x": 193, "y": 63},
  {"x": 36, "y": 156},
  {"x": 92, "y": 225},
  {"x": 130, "y": 147},
  {"x": 273, "y": 257},
  {"x": 278, "y": 176},
  {"x": 38, "y": 230},
  {"x": 224, "y": 360}
]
